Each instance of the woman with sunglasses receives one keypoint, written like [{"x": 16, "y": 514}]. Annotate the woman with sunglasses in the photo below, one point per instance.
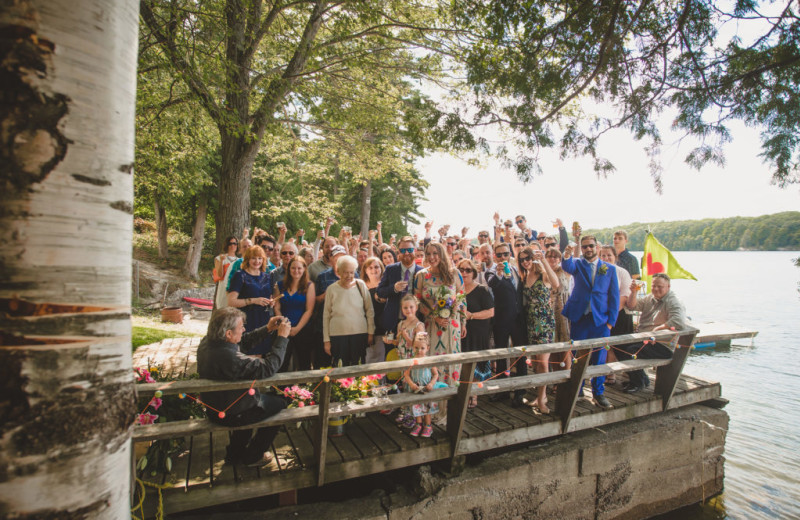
[
  {"x": 538, "y": 280},
  {"x": 479, "y": 314},
  {"x": 221, "y": 264},
  {"x": 294, "y": 298}
]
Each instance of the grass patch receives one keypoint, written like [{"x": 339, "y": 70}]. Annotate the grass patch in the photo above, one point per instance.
[{"x": 145, "y": 335}]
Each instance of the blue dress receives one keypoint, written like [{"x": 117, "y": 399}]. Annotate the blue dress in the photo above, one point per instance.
[
  {"x": 293, "y": 306},
  {"x": 259, "y": 286},
  {"x": 421, "y": 377}
]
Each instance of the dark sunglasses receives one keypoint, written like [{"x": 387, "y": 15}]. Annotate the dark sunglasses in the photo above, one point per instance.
[
  {"x": 233, "y": 243},
  {"x": 520, "y": 221},
  {"x": 501, "y": 255},
  {"x": 483, "y": 235},
  {"x": 451, "y": 244},
  {"x": 465, "y": 269},
  {"x": 406, "y": 250},
  {"x": 525, "y": 258},
  {"x": 290, "y": 253},
  {"x": 551, "y": 244},
  {"x": 267, "y": 249}
]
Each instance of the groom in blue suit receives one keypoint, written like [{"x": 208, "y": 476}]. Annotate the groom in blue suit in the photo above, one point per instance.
[
  {"x": 396, "y": 283},
  {"x": 593, "y": 306}
]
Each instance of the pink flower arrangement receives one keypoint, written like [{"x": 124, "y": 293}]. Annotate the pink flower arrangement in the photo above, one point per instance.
[
  {"x": 142, "y": 374},
  {"x": 146, "y": 418}
]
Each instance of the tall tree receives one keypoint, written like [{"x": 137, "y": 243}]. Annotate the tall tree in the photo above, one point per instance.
[
  {"x": 67, "y": 85},
  {"x": 567, "y": 72},
  {"x": 249, "y": 61}
]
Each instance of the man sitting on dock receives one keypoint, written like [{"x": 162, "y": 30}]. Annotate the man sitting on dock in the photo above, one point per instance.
[
  {"x": 660, "y": 310},
  {"x": 219, "y": 357}
]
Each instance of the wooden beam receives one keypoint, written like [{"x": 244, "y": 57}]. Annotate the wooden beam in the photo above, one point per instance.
[
  {"x": 457, "y": 408},
  {"x": 567, "y": 393},
  {"x": 667, "y": 376},
  {"x": 321, "y": 430}
]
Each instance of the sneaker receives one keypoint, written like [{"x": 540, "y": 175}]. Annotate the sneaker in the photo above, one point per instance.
[
  {"x": 410, "y": 422},
  {"x": 415, "y": 431},
  {"x": 427, "y": 431}
]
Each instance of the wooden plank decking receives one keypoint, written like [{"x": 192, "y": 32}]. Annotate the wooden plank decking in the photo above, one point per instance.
[{"x": 373, "y": 443}]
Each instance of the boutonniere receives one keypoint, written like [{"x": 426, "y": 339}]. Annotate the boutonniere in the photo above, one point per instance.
[{"x": 603, "y": 269}]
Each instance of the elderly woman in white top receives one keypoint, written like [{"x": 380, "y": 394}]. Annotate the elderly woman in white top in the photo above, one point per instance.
[{"x": 348, "y": 319}]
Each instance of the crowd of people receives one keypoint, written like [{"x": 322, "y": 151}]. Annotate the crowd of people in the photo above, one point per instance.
[{"x": 348, "y": 300}]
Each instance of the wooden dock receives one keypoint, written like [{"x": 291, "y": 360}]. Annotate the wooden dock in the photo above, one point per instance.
[{"x": 305, "y": 456}]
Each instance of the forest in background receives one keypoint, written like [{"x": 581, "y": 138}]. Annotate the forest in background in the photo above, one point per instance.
[{"x": 780, "y": 231}]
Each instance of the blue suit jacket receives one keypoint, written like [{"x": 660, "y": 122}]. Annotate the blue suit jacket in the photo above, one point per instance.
[
  {"x": 392, "y": 275},
  {"x": 603, "y": 296}
]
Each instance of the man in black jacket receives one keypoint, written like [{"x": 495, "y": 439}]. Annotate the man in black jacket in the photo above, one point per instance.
[{"x": 219, "y": 357}]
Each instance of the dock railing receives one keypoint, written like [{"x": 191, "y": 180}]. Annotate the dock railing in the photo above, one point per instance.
[{"x": 569, "y": 383}]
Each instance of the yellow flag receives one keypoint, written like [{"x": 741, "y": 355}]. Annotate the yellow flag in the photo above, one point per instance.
[{"x": 659, "y": 259}]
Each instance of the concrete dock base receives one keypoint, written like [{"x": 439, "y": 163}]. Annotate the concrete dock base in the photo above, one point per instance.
[{"x": 635, "y": 469}]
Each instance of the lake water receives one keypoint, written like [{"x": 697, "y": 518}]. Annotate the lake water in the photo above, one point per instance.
[{"x": 759, "y": 291}]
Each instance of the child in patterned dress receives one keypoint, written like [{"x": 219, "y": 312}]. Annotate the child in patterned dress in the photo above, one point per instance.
[
  {"x": 407, "y": 328},
  {"x": 421, "y": 380}
]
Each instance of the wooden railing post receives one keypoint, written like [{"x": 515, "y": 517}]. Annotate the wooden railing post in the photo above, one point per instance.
[
  {"x": 667, "y": 376},
  {"x": 567, "y": 393},
  {"x": 321, "y": 430},
  {"x": 457, "y": 408}
]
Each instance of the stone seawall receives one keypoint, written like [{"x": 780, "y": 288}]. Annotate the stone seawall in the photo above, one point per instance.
[{"x": 634, "y": 469}]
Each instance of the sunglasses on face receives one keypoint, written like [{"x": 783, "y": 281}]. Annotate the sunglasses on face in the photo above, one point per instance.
[
  {"x": 587, "y": 246},
  {"x": 451, "y": 244},
  {"x": 483, "y": 235},
  {"x": 520, "y": 221},
  {"x": 406, "y": 250},
  {"x": 525, "y": 259},
  {"x": 501, "y": 255},
  {"x": 465, "y": 269},
  {"x": 233, "y": 243},
  {"x": 290, "y": 253},
  {"x": 551, "y": 244},
  {"x": 268, "y": 249}
]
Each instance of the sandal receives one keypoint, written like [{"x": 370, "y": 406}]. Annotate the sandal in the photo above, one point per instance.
[
  {"x": 410, "y": 422},
  {"x": 401, "y": 418},
  {"x": 415, "y": 431},
  {"x": 427, "y": 431}
]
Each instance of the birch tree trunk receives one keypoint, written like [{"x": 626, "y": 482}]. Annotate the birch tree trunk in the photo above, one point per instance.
[
  {"x": 366, "y": 207},
  {"x": 161, "y": 230},
  {"x": 192, "y": 263},
  {"x": 67, "y": 100}
]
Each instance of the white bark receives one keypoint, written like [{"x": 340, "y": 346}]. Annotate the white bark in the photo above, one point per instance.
[{"x": 66, "y": 396}]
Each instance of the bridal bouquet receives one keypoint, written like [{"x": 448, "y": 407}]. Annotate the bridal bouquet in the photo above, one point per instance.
[{"x": 446, "y": 305}]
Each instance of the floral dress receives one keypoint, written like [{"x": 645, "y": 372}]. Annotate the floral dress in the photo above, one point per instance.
[
  {"x": 406, "y": 350},
  {"x": 421, "y": 377},
  {"x": 539, "y": 318},
  {"x": 435, "y": 295}
]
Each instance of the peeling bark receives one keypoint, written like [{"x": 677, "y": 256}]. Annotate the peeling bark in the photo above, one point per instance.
[{"x": 67, "y": 100}]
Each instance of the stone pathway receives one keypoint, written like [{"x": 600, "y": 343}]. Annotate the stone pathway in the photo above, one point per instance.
[{"x": 175, "y": 357}]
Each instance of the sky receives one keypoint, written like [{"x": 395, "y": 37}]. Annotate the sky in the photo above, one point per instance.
[{"x": 464, "y": 195}]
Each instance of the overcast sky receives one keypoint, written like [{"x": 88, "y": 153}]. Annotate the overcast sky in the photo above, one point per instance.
[{"x": 461, "y": 194}]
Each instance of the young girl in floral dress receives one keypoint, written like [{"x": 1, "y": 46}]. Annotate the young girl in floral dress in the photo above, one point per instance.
[
  {"x": 407, "y": 329},
  {"x": 421, "y": 380}
]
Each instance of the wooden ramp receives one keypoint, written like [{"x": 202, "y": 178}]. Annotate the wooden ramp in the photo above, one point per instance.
[
  {"x": 720, "y": 332},
  {"x": 373, "y": 443}
]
